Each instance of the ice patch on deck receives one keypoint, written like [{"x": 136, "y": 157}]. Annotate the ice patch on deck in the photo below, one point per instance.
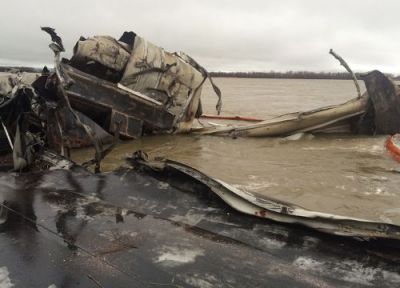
[
  {"x": 82, "y": 204},
  {"x": 190, "y": 218},
  {"x": 162, "y": 185},
  {"x": 202, "y": 281},
  {"x": 350, "y": 271},
  {"x": 270, "y": 243},
  {"x": 307, "y": 263},
  {"x": 5, "y": 281},
  {"x": 176, "y": 256}
]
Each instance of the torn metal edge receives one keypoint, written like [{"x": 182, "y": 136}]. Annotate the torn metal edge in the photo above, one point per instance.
[{"x": 273, "y": 209}]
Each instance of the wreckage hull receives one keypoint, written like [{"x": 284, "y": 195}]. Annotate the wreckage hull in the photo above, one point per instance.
[
  {"x": 107, "y": 104},
  {"x": 375, "y": 112},
  {"x": 129, "y": 229},
  {"x": 310, "y": 121}
]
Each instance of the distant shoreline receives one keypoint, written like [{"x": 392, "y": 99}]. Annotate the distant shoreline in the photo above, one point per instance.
[
  {"x": 291, "y": 75},
  {"x": 20, "y": 68},
  {"x": 259, "y": 75}
]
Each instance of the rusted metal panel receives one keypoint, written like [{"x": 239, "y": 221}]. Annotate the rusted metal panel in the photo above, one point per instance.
[
  {"x": 128, "y": 125},
  {"x": 89, "y": 89}
]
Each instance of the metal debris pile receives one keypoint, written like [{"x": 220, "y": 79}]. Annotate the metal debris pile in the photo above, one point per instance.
[
  {"x": 127, "y": 88},
  {"x": 109, "y": 89}
]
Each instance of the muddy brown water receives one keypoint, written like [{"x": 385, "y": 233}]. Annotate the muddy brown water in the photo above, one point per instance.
[{"x": 346, "y": 175}]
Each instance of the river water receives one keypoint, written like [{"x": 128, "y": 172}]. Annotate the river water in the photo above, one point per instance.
[{"x": 341, "y": 174}]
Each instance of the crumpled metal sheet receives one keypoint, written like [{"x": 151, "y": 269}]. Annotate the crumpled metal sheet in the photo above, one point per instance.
[
  {"x": 166, "y": 77},
  {"x": 8, "y": 81},
  {"x": 102, "y": 49},
  {"x": 269, "y": 208}
]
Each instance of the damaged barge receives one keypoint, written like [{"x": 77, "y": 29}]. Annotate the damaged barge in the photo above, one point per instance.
[{"x": 158, "y": 222}]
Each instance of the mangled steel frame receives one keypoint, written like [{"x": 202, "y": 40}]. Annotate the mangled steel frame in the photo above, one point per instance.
[
  {"x": 131, "y": 110},
  {"x": 109, "y": 102},
  {"x": 96, "y": 107},
  {"x": 77, "y": 109}
]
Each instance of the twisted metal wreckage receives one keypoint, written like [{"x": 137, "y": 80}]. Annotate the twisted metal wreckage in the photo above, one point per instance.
[{"x": 128, "y": 88}]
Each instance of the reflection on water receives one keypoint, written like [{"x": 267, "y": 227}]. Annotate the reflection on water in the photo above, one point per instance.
[{"x": 347, "y": 175}]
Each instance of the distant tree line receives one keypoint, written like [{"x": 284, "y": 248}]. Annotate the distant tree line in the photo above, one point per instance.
[
  {"x": 19, "y": 68},
  {"x": 271, "y": 74},
  {"x": 291, "y": 75}
]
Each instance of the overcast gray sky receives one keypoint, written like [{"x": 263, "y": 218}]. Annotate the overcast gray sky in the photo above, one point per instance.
[{"x": 228, "y": 35}]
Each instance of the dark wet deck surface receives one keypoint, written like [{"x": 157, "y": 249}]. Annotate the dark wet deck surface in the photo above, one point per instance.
[{"x": 127, "y": 229}]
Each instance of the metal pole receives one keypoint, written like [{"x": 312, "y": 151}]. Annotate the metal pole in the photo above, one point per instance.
[{"x": 7, "y": 134}]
